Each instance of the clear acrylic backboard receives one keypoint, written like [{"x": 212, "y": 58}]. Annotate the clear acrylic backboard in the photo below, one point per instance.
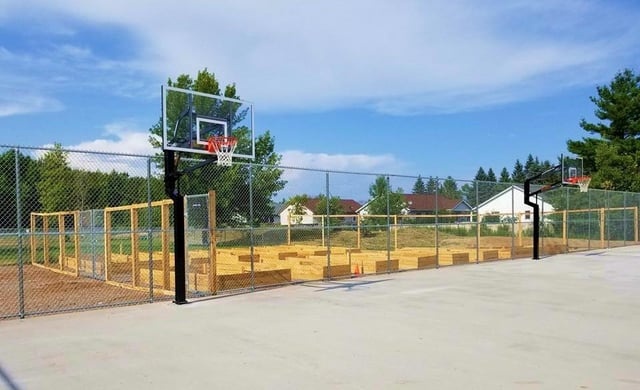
[{"x": 190, "y": 119}]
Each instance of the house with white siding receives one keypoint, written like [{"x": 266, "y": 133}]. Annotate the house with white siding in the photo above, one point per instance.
[{"x": 510, "y": 203}]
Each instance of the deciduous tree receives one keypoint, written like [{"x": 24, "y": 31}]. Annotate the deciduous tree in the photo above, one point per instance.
[
  {"x": 450, "y": 189},
  {"x": 53, "y": 186},
  {"x": 379, "y": 191},
  {"x": 335, "y": 208},
  {"x": 232, "y": 183},
  {"x": 298, "y": 208}
]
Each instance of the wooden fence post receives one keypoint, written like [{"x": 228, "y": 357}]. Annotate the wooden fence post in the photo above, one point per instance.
[
  {"x": 635, "y": 223},
  {"x": 107, "y": 245},
  {"x": 61, "y": 242},
  {"x": 565, "y": 230},
  {"x": 32, "y": 237},
  {"x": 395, "y": 231},
  {"x": 166, "y": 264},
  {"x": 135, "y": 256},
  {"x": 213, "y": 270},
  {"x": 76, "y": 240},
  {"x": 520, "y": 229},
  {"x": 602, "y": 220},
  {"x": 358, "y": 232}
]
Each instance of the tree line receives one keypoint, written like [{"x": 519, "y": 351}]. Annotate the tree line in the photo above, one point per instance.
[
  {"x": 50, "y": 184},
  {"x": 485, "y": 183}
]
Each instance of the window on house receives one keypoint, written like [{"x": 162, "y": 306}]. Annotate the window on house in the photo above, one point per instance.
[{"x": 527, "y": 215}]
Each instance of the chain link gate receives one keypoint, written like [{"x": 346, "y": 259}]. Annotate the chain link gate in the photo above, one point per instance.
[
  {"x": 91, "y": 226},
  {"x": 199, "y": 245}
]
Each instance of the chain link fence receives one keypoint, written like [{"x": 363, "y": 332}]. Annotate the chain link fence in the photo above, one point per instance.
[{"x": 81, "y": 230}]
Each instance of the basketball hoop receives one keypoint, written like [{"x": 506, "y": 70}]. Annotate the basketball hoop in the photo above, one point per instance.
[
  {"x": 581, "y": 181},
  {"x": 223, "y": 147}
]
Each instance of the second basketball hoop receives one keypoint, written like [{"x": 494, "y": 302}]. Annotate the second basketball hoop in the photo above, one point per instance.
[{"x": 223, "y": 147}]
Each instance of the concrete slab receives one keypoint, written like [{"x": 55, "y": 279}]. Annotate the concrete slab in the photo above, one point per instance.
[{"x": 565, "y": 322}]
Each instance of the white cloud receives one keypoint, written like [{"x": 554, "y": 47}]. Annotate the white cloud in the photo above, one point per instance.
[
  {"x": 120, "y": 139},
  {"x": 338, "y": 162},
  {"x": 345, "y": 185},
  {"x": 394, "y": 57}
]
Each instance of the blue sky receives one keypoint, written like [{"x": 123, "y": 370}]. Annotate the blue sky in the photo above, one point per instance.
[{"x": 411, "y": 87}]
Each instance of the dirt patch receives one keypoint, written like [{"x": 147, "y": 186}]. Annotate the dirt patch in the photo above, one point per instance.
[{"x": 48, "y": 291}]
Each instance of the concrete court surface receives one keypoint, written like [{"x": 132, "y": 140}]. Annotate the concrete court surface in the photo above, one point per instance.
[{"x": 565, "y": 322}]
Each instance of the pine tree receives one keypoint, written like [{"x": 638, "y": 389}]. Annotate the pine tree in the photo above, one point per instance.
[
  {"x": 518, "y": 175},
  {"x": 530, "y": 166},
  {"x": 481, "y": 175},
  {"x": 419, "y": 186},
  {"x": 432, "y": 185},
  {"x": 613, "y": 156},
  {"x": 504, "y": 176},
  {"x": 491, "y": 176}
]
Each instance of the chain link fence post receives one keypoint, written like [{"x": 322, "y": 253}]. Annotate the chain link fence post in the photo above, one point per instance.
[
  {"x": 388, "y": 201},
  {"x": 19, "y": 226},
  {"x": 150, "y": 229},
  {"x": 437, "y": 221},
  {"x": 589, "y": 221},
  {"x": 476, "y": 186},
  {"x": 251, "y": 229}
]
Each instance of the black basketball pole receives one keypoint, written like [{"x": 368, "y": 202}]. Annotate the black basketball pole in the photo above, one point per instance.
[
  {"x": 536, "y": 208},
  {"x": 536, "y": 218},
  {"x": 172, "y": 189}
]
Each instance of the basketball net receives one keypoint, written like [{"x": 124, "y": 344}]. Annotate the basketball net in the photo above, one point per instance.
[
  {"x": 223, "y": 147},
  {"x": 583, "y": 183}
]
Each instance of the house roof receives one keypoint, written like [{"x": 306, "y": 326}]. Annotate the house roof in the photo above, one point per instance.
[
  {"x": 279, "y": 207},
  {"x": 349, "y": 206},
  {"x": 427, "y": 202}
]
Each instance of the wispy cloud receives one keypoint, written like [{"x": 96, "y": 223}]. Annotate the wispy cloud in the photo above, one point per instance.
[
  {"x": 48, "y": 76},
  {"x": 21, "y": 103},
  {"x": 398, "y": 58}
]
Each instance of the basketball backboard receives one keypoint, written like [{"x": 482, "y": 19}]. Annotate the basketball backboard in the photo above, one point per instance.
[
  {"x": 190, "y": 118},
  {"x": 572, "y": 170}
]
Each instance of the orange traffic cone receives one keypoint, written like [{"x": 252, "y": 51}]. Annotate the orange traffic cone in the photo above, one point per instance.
[{"x": 357, "y": 271}]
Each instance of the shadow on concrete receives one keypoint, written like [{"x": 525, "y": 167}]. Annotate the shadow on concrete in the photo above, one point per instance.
[
  {"x": 6, "y": 379},
  {"x": 346, "y": 285}
]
